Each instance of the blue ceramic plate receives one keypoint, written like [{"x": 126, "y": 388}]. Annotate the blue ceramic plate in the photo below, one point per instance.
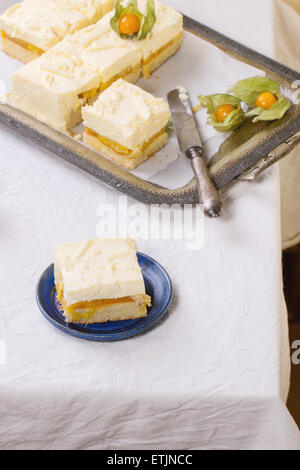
[{"x": 158, "y": 286}]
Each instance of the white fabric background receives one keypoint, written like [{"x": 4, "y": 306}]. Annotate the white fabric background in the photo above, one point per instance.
[
  {"x": 287, "y": 39},
  {"x": 213, "y": 375}
]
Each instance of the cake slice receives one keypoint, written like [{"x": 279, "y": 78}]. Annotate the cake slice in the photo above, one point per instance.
[
  {"x": 165, "y": 38},
  {"x": 32, "y": 27},
  {"x": 102, "y": 51},
  {"x": 99, "y": 281},
  {"x": 54, "y": 87},
  {"x": 126, "y": 124}
]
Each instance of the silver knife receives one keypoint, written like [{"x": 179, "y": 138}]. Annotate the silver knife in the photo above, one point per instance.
[{"x": 190, "y": 144}]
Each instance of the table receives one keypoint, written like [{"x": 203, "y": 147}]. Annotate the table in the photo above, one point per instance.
[{"x": 213, "y": 375}]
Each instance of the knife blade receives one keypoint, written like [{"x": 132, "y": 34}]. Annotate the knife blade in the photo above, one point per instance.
[{"x": 191, "y": 146}]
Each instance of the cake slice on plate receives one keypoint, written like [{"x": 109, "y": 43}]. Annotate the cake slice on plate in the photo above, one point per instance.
[
  {"x": 32, "y": 27},
  {"x": 126, "y": 124},
  {"x": 99, "y": 281}
]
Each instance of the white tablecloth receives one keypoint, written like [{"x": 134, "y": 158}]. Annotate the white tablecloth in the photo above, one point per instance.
[{"x": 213, "y": 375}]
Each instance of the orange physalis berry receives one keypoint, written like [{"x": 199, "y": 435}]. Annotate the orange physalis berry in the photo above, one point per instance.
[
  {"x": 266, "y": 100},
  {"x": 223, "y": 111},
  {"x": 129, "y": 24}
]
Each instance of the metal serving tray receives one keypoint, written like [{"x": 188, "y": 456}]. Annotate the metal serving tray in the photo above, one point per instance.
[{"x": 245, "y": 154}]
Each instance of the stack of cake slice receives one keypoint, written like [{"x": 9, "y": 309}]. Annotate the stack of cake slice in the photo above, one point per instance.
[
  {"x": 54, "y": 87},
  {"x": 34, "y": 26}
]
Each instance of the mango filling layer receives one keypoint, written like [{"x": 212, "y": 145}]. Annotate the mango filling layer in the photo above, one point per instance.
[
  {"x": 152, "y": 57},
  {"x": 87, "y": 96},
  {"x": 86, "y": 310},
  {"x": 118, "y": 148},
  {"x": 19, "y": 42},
  {"x": 128, "y": 71}
]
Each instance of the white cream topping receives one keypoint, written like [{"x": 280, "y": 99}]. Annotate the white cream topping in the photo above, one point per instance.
[
  {"x": 98, "y": 269},
  {"x": 108, "y": 54},
  {"x": 127, "y": 115},
  {"x": 43, "y": 23},
  {"x": 48, "y": 88}
]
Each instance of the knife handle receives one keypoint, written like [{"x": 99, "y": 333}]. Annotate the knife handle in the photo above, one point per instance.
[{"x": 208, "y": 194}]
